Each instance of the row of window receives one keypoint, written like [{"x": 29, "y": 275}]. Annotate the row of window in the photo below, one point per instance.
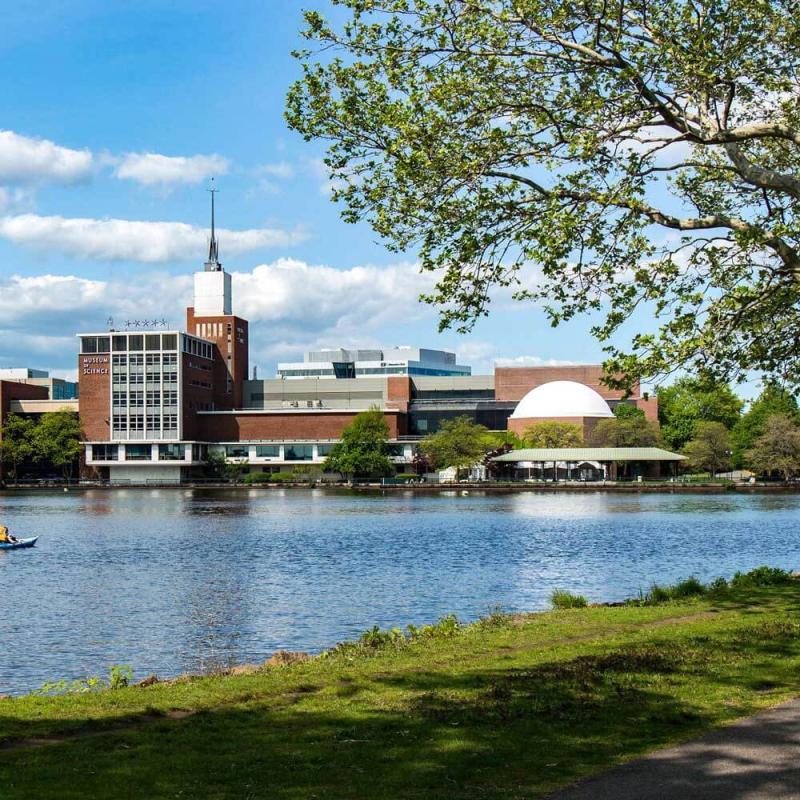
[
  {"x": 144, "y": 452},
  {"x": 136, "y": 422},
  {"x": 196, "y": 347},
  {"x": 168, "y": 376},
  {"x": 122, "y": 343},
  {"x": 150, "y": 359},
  {"x": 154, "y": 398}
]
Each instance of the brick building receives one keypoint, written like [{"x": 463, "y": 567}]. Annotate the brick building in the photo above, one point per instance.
[{"x": 154, "y": 403}]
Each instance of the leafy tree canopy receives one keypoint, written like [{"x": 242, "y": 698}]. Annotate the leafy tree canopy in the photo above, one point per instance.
[
  {"x": 553, "y": 434},
  {"x": 710, "y": 449},
  {"x": 777, "y": 448},
  {"x": 362, "y": 450},
  {"x": 691, "y": 400},
  {"x": 773, "y": 400},
  {"x": 458, "y": 443},
  {"x": 627, "y": 431},
  {"x": 598, "y": 155},
  {"x": 628, "y": 411},
  {"x": 57, "y": 439},
  {"x": 16, "y": 445}
]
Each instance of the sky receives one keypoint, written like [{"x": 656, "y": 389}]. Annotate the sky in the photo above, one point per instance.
[{"x": 113, "y": 119}]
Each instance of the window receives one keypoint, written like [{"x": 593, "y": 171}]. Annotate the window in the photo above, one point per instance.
[
  {"x": 152, "y": 341},
  {"x": 170, "y": 422},
  {"x": 169, "y": 341},
  {"x": 153, "y": 375},
  {"x": 120, "y": 398},
  {"x": 137, "y": 377},
  {"x": 136, "y": 342},
  {"x": 268, "y": 451},
  {"x": 237, "y": 451},
  {"x": 119, "y": 343},
  {"x": 136, "y": 423},
  {"x": 170, "y": 359},
  {"x": 105, "y": 452},
  {"x": 154, "y": 424},
  {"x": 396, "y": 449},
  {"x": 324, "y": 450},
  {"x": 199, "y": 452},
  {"x": 120, "y": 377},
  {"x": 153, "y": 398},
  {"x": 136, "y": 359},
  {"x": 119, "y": 361},
  {"x": 138, "y": 452},
  {"x": 136, "y": 399},
  {"x": 299, "y": 452},
  {"x": 120, "y": 425},
  {"x": 170, "y": 398},
  {"x": 153, "y": 359},
  {"x": 170, "y": 452},
  {"x": 170, "y": 377},
  {"x": 89, "y": 344}
]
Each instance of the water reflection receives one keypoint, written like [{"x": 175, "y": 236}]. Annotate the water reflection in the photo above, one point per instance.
[{"x": 175, "y": 580}]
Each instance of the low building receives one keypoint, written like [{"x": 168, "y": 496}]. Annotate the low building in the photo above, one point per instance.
[{"x": 587, "y": 463}]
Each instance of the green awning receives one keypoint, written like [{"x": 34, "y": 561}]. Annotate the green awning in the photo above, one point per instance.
[{"x": 590, "y": 454}]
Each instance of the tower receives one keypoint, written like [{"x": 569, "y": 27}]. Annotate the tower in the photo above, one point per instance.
[{"x": 211, "y": 317}]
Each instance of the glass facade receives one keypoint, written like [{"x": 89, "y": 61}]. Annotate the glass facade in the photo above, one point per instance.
[
  {"x": 171, "y": 452},
  {"x": 298, "y": 452},
  {"x": 268, "y": 451}
]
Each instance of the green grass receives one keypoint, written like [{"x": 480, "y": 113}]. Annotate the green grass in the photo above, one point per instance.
[
  {"x": 561, "y": 598},
  {"x": 510, "y": 707}
]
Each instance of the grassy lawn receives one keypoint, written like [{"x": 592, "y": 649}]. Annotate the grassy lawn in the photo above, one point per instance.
[{"x": 505, "y": 708}]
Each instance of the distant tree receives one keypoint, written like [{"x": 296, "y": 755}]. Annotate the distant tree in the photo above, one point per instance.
[
  {"x": 773, "y": 399},
  {"x": 57, "y": 440},
  {"x": 458, "y": 443},
  {"x": 17, "y": 444},
  {"x": 710, "y": 449},
  {"x": 553, "y": 434},
  {"x": 628, "y": 411},
  {"x": 691, "y": 400},
  {"x": 777, "y": 449},
  {"x": 362, "y": 450},
  {"x": 626, "y": 431}
]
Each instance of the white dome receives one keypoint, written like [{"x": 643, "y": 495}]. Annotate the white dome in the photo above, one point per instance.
[{"x": 561, "y": 399}]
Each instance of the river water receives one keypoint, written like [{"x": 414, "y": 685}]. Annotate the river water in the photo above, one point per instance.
[{"x": 172, "y": 581}]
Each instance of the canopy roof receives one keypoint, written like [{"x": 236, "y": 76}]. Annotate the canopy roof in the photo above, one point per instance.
[{"x": 590, "y": 454}]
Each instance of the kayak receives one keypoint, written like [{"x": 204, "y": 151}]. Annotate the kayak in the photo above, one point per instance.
[{"x": 19, "y": 543}]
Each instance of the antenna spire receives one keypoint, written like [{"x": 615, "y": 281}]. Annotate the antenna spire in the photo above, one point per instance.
[{"x": 213, "y": 265}]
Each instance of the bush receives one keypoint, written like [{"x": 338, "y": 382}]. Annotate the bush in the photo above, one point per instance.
[
  {"x": 283, "y": 477},
  {"x": 561, "y": 598},
  {"x": 761, "y": 576},
  {"x": 258, "y": 477}
]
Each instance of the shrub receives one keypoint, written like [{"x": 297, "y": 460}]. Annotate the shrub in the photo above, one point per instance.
[
  {"x": 258, "y": 477},
  {"x": 761, "y": 576},
  {"x": 119, "y": 676},
  {"x": 283, "y": 477},
  {"x": 561, "y": 598}
]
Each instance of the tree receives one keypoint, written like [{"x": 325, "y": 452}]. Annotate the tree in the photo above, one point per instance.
[
  {"x": 577, "y": 153},
  {"x": 777, "y": 449},
  {"x": 773, "y": 399},
  {"x": 628, "y": 411},
  {"x": 710, "y": 449},
  {"x": 16, "y": 445},
  {"x": 458, "y": 443},
  {"x": 553, "y": 434},
  {"x": 362, "y": 450},
  {"x": 691, "y": 400},
  {"x": 627, "y": 431},
  {"x": 57, "y": 439}
]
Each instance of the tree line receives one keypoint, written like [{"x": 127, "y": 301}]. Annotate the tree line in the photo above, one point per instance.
[{"x": 54, "y": 440}]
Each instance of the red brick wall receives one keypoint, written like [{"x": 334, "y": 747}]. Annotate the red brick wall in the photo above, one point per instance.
[
  {"x": 649, "y": 406},
  {"x": 398, "y": 391},
  {"x": 95, "y": 394},
  {"x": 239, "y": 356},
  {"x": 192, "y": 395},
  {"x": 291, "y": 425},
  {"x": 513, "y": 383},
  {"x": 586, "y": 424}
]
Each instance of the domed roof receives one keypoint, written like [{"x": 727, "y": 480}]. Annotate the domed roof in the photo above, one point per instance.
[{"x": 561, "y": 399}]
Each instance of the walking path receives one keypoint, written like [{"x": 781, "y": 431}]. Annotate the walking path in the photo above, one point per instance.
[{"x": 755, "y": 759}]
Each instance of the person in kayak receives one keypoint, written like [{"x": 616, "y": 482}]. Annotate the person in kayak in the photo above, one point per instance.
[{"x": 6, "y": 537}]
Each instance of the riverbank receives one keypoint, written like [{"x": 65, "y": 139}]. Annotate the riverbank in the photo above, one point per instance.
[
  {"x": 510, "y": 706},
  {"x": 486, "y": 487}
]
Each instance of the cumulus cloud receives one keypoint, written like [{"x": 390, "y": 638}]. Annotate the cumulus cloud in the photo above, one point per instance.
[
  {"x": 280, "y": 169},
  {"x": 27, "y": 160},
  {"x": 154, "y": 169},
  {"x": 130, "y": 240}
]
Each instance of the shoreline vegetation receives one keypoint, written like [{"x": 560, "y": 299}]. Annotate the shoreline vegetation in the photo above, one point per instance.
[{"x": 510, "y": 705}]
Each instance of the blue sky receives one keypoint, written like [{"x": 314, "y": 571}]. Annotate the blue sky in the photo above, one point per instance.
[{"x": 114, "y": 115}]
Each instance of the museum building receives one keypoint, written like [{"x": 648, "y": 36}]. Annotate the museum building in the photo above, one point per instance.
[{"x": 154, "y": 402}]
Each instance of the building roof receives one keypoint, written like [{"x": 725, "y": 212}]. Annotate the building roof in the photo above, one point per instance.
[
  {"x": 590, "y": 454},
  {"x": 561, "y": 399}
]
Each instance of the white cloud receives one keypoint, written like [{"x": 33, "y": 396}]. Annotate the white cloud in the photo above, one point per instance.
[
  {"x": 28, "y": 160},
  {"x": 534, "y": 361},
  {"x": 280, "y": 169},
  {"x": 16, "y": 199},
  {"x": 130, "y": 240},
  {"x": 151, "y": 169}
]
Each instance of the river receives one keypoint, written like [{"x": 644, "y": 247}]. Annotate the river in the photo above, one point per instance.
[{"x": 171, "y": 581}]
